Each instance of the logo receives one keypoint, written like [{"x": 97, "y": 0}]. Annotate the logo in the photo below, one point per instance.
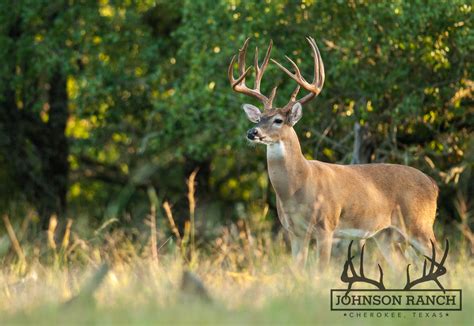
[{"x": 376, "y": 299}]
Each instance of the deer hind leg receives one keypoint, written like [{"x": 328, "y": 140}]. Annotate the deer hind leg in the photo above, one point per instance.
[
  {"x": 416, "y": 220},
  {"x": 423, "y": 242},
  {"x": 390, "y": 242}
]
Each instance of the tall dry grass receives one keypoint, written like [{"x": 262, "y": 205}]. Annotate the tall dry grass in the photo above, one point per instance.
[{"x": 112, "y": 275}]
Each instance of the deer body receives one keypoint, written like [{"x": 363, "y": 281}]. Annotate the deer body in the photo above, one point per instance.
[
  {"x": 321, "y": 200},
  {"x": 330, "y": 197}
]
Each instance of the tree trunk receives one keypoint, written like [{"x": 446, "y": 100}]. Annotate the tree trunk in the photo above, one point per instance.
[
  {"x": 363, "y": 145},
  {"x": 53, "y": 152},
  {"x": 34, "y": 152}
]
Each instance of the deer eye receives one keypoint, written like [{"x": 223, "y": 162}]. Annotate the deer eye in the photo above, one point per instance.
[{"x": 277, "y": 121}]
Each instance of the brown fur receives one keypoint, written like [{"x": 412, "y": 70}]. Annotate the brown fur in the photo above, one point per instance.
[
  {"x": 324, "y": 198},
  {"x": 320, "y": 198}
]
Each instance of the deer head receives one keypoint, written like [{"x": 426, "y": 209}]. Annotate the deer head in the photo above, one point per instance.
[{"x": 273, "y": 122}]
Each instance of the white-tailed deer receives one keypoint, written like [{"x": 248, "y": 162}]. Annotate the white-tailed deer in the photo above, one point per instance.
[{"x": 319, "y": 199}]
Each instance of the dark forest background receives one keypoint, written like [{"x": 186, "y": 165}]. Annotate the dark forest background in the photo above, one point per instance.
[{"x": 108, "y": 105}]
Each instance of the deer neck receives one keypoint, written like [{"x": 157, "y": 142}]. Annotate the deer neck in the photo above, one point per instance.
[{"x": 287, "y": 167}]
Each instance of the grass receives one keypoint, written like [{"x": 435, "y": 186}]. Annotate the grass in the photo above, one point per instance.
[
  {"x": 250, "y": 278},
  {"x": 117, "y": 275}
]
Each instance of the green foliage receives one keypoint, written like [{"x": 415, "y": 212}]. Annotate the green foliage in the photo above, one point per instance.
[{"x": 149, "y": 101}]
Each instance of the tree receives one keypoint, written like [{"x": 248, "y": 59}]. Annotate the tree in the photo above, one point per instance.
[{"x": 109, "y": 98}]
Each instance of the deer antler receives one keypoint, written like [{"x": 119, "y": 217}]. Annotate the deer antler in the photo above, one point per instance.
[
  {"x": 318, "y": 80},
  {"x": 358, "y": 278},
  {"x": 433, "y": 273},
  {"x": 239, "y": 84}
]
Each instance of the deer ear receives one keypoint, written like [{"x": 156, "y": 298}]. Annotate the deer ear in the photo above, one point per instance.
[
  {"x": 253, "y": 113},
  {"x": 295, "y": 115}
]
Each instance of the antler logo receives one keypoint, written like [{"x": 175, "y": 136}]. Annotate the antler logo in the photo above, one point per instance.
[
  {"x": 361, "y": 277},
  {"x": 436, "y": 270},
  {"x": 433, "y": 274},
  {"x": 407, "y": 298}
]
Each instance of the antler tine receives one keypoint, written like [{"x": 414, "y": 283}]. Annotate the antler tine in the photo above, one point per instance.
[
  {"x": 242, "y": 55},
  {"x": 239, "y": 84},
  {"x": 349, "y": 265},
  {"x": 440, "y": 269},
  {"x": 349, "y": 258},
  {"x": 259, "y": 70},
  {"x": 362, "y": 261},
  {"x": 319, "y": 74},
  {"x": 318, "y": 80},
  {"x": 295, "y": 93},
  {"x": 445, "y": 255},
  {"x": 432, "y": 274},
  {"x": 272, "y": 96},
  {"x": 433, "y": 255},
  {"x": 297, "y": 75},
  {"x": 230, "y": 73},
  {"x": 241, "y": 64},
  {"x": 381, "y": 275},
  {"x": 408, "y": 276}
]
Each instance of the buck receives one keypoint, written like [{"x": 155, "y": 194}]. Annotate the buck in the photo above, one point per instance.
[{"x": 321, "y": 200}]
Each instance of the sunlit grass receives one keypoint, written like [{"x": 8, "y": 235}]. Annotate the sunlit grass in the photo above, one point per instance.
[
  {"x": 250, "y": 278},
  {"x": 245, "y": 268}
]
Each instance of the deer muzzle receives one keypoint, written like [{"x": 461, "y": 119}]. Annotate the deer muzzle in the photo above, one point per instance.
[{"x": 252, "y": 133}]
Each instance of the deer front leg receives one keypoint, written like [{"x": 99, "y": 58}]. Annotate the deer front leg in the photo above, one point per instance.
[
  {"x": 299, "y": 250},
  {"x": 324, "y": 246}
]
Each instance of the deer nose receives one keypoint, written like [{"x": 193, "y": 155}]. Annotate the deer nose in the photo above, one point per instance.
[{"x": 252, "y": 133}]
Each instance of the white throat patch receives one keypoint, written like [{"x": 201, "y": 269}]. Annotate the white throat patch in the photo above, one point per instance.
[{"x": 275, "y": 150}]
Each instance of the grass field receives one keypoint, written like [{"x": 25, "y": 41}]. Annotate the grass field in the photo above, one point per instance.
[{"x": 248, "y": 275}]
